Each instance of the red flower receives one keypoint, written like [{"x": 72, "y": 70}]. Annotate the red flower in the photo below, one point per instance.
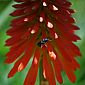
[{"x": 43, "y": 29}]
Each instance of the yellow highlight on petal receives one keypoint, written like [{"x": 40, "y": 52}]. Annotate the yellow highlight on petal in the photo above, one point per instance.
[
  {"x": 44, "y": 74},
  {"x": 20, "y": 67},
  {"x": 52, "y": 55},
  {"x": 35, "y": 60}
]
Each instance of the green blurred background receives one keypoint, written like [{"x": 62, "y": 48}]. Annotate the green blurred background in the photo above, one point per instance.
[{"x": 18, "y": 79}]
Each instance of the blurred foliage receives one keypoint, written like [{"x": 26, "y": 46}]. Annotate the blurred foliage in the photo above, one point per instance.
[{"x": 18, "y": 79}]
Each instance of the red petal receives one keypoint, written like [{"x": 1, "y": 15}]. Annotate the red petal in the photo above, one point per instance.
[
  {"x": 24, "y": 60},
  {"x": 67, "y": 68},
  {"x": 32, "y": 73},
  {"x": 14, "y": 54},
  {"x": 47, "y": 68},
  {"x": 56, "y": 63}
]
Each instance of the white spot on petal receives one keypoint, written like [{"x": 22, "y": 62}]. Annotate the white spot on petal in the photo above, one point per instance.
[
  {"x": 50, "y": 25},
  {"x": 33, "y": 31},
  {"x": 33, "y": 8},
  {"x": 44, "y": 74},
  {"x": 41, "y": 19},
  {"x": 20, "y": 67},
  {"x": 56, "y": 36},
  {"x": 55, "y": 8},
  {"x": 44, "y": 4},
  {"x": 68, "y": 12},
  {"x": 35, "y": 60},
  {"x": 26, "y": 19},
  {"x": 52, "y": 55}
]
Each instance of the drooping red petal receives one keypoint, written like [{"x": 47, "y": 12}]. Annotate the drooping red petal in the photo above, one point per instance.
[
  {"x": 47, "y": 69},
  {"x": 24, "y": 59},
  {"x": 56, "y": 63},
  {"x": 32, "y": 73}
]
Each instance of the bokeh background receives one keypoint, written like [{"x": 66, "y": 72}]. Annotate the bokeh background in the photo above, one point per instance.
[{"x": 18, "y": 79}]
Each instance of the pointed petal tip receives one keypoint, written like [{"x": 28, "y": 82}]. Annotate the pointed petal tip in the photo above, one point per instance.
[
  {"x": 7, "y": 61},
  {"x": 10, "y": 75},
  {"x": 60, "y": 81}
]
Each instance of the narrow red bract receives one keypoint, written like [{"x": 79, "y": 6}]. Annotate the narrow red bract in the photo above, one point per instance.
[{"x": 43, "y": 28}]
